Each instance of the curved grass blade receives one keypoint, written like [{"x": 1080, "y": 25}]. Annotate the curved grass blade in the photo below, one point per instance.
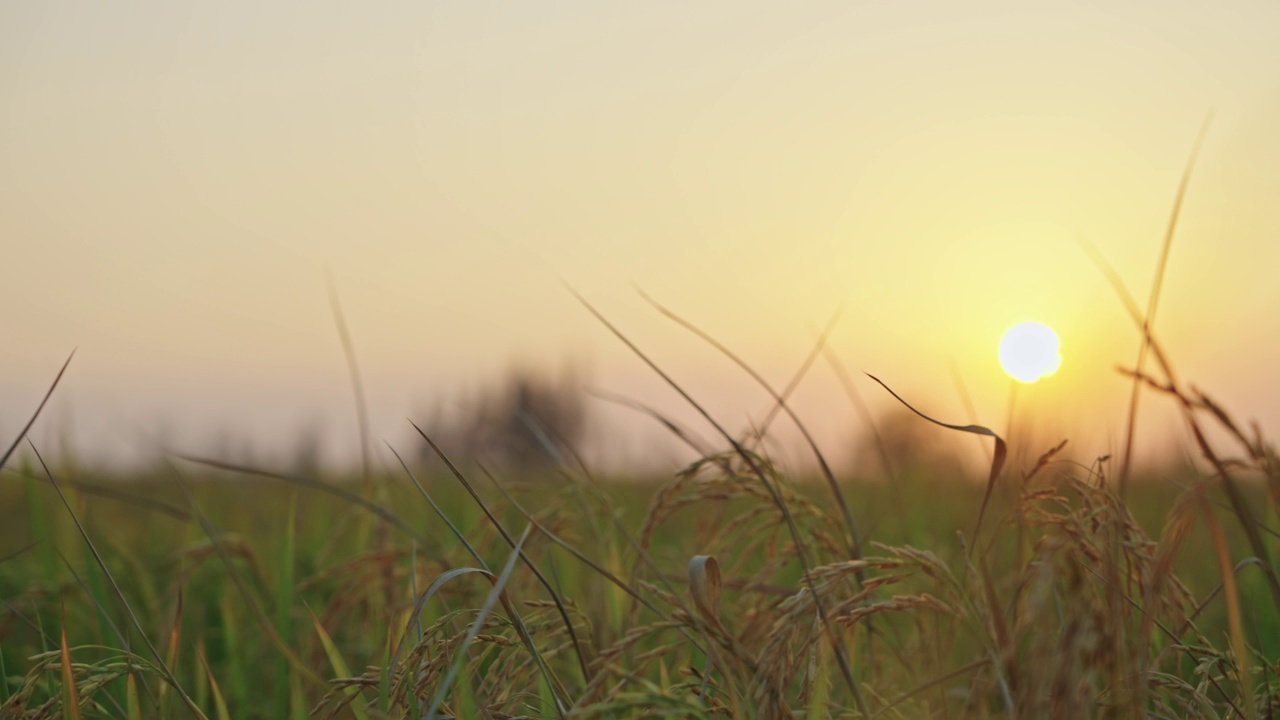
[
  {"x": 705, "y": 587},
  {"x": 583, "y": 664},
  {"x": 997, "y": 458},
  {"x": 427, "y": 594},
  {"x": 499, "y": 588},
  {"x": 553, "y": 682}
]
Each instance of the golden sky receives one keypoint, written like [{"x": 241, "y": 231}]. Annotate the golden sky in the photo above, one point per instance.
[{"x": 175, "y": 177}]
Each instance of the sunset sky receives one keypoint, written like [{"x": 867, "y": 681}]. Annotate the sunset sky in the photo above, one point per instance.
[{"x": 176, "y": 177}]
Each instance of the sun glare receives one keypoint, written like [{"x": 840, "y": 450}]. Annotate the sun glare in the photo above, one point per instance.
[{"x": 1029, "y": 351}]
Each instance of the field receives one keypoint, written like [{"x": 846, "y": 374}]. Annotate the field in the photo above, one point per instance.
[
  {"x": 1063, "y": 500},
  {"x": 1054, "y": 586},
  {"x": 1057, "y": 589}
]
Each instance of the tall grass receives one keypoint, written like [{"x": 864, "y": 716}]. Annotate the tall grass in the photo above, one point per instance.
[{"x": 730, "y": 589}]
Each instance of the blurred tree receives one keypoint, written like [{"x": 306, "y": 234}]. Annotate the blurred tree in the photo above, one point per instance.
[
  {"x": 528, "y": 420},
  {"x": 308, "y": 450}
]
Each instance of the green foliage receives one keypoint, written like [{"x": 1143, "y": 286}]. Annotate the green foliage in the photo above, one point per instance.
[
  {"x": 729, "y": 590},
  {"x": 1067, "y": 601}
]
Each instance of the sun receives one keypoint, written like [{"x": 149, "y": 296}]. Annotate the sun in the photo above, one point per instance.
[{"x": 1029, "y": 351}]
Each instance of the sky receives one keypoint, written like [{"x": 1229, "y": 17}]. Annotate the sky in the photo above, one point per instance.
[{"x": 177, "y": 178}]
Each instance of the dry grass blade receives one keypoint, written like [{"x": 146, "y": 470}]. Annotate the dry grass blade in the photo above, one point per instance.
[
  {"x": 72, "y": 697},
  {"x": 19, "y": 552},
  {"x": 1171, "y": 385},
  {"x": 347, "y": 495},
  {"x": 1153, "y": 301},
  {"x": 997, "y": 459},
  {"x": 134, "y": 499},
  {"x": 682, "y": 433},
  {"x": 780, "y": 403},
  {"x": 219, "y": 702},
  {"x": 1203, "y": 604},
  {"x": 102, "y": 610},
  {"x": 1041, "y": 463},
  {"x": 924, "y": 687},
  {"x": 704, "y": 586},
  {"x": 801, "y": 547},
  {"x": 27, "y": 428},
  {"x": 1131, "y": 307},
  {"x": 1234, "y": 620},
  {"x": 357, "y": 385}
]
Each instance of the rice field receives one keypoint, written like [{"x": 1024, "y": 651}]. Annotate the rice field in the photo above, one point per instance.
[{"x": 450, "y": 589}]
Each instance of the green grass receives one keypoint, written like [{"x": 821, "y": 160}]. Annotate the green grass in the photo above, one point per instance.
[
  {"x": 1062, "y": 604},
  {"x": 1049, "y": 588}
]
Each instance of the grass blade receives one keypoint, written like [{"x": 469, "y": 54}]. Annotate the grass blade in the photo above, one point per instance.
[
  {"x": 264, "y": 623},
  {"x": 683, "y": 434},
  {"x": 284, "y": 604},
  {"x": 997, "y": 459},
  {"x": 583, "y": 663},
  {"x": 133, "y": 707},
  {"x": 802, "y": 552},
  {"x": 1153, "y": 301},
  {"x": 70, "y": 696},
  {"x": 219, "y": 703},
  {"x": 439, "y": 513},
  {"x": 499, "y": 586},
  {"x": 168, "y": 674},
  {"x": 27, "y": 428},
  {"x": 336, "y": 662},
  {"x": 355, "y": 498},
  {"x": 357, "y": 384},
  {"x": 1235, "y": 622},
  {"x": 780, "y": 403},
  {"x": 516, "y": 621}
]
